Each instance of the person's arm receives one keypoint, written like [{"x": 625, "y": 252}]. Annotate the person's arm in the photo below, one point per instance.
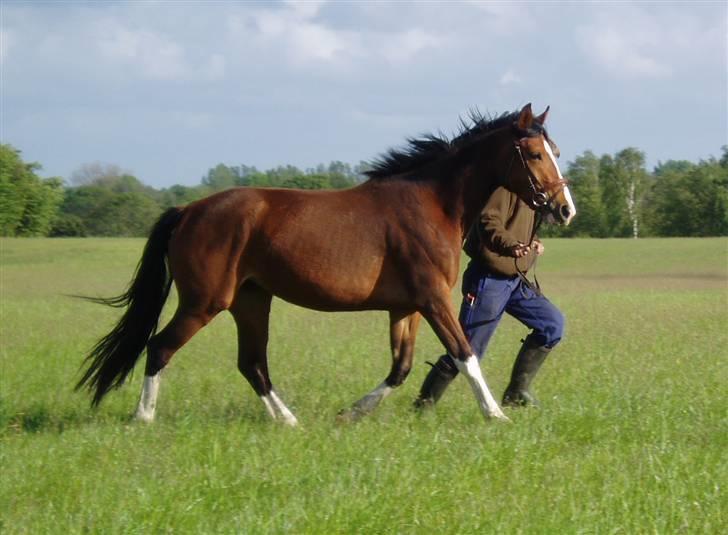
[{"x": 492, "y": 226}]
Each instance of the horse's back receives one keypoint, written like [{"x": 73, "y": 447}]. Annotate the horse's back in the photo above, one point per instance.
[
  {"x": 323, "y": 250},
  {"x": 320, "y": 249}
]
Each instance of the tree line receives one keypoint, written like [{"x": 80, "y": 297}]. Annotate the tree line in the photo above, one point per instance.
[{"x": 615, "y": 195}]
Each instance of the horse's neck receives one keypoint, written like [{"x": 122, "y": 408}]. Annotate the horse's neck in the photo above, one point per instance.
[{"x": 476, "y": 172}]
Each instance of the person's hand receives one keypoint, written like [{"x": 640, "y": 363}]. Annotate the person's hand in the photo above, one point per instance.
[
  {"x": 520, "y": 250},
  {"x": 538, "y": 247}
]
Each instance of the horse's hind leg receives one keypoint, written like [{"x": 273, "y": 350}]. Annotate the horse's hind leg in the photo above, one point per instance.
[
  {"x": 402, "y": 334},
  {"x": 160, "y": 349},
  {"x": 251, "y": 310}
]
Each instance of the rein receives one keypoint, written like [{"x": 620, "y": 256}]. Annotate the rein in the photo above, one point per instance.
[{"x": 534, "y": 286}]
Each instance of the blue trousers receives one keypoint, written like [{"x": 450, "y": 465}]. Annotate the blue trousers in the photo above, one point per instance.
[{"x": 487, "y": 296}]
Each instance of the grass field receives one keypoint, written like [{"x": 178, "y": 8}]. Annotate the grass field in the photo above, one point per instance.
[{"x": 632, "y": 436}]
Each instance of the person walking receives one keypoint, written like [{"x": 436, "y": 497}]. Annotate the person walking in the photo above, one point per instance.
[{"x": 502, "y": 246}]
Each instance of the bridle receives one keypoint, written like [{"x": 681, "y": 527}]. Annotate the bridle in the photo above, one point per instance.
[{"x": 541, "y": 198}]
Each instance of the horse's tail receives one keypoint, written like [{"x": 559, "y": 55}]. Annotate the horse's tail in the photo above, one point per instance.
[{"x": 114, "y": 356}]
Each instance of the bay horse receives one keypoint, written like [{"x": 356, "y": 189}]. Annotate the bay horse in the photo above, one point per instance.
[{"x": 390, "y": 243}]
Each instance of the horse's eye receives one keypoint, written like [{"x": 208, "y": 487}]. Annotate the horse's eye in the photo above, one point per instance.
[{"x": 534, "y": 155}]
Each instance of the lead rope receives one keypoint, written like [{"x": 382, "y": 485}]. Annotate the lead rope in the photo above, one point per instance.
[{"x": 534, "y": 286}]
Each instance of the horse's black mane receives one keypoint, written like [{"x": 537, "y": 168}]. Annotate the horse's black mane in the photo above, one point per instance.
[
  {"x": 428, "y": 148},
  {"x": 418, "y": 152}
]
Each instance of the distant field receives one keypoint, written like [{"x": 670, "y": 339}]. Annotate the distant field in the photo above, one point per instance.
[{"x": 632, "y": 436}]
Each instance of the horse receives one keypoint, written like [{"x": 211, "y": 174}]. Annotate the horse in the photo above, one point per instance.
[{"x": 390, "y": 243}]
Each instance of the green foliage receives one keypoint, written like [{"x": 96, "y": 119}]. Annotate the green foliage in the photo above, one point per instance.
[
  {"x": 67, "y": 225},
  {"x": 616, "y": 197},
  {"x": 624, "y": 181},
  {"x": 308, "y": 182},
  {"x": 221, "y": 177},
  {"x": 724, "y": 156},
  {"x": 585, "y": 186},
  {"x": 28, "y": 204},
  {"x": 178, "y": 195},
  {"x": 106, "y": 212},
  {"x": 336, "y": 175},
  {"x": 690, "y": 200}
]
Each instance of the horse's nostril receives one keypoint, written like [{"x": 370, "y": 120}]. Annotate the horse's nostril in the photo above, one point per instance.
[{"x": 565, "y": 211}]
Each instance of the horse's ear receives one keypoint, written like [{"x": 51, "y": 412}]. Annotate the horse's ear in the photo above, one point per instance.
[
  {"x": 525, "y": 119},
  {"x": 541, "y": 119}
]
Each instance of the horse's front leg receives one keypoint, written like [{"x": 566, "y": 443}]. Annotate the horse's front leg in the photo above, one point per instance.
[
  {"x": 440, "y": 315},
  {"x": 402, "y": 334}
]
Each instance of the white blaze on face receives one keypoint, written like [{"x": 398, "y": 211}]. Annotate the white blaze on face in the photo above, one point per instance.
[{"x": 567, "y": 193}]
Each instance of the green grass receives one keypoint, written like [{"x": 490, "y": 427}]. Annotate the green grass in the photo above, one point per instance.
[{"x": 632, "y": 436}]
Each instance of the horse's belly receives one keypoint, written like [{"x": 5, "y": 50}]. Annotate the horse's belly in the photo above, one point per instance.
[{"x": 323, "y": 283}]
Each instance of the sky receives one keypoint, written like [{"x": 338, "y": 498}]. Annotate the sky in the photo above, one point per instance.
[{"x": 167, "y": 90}]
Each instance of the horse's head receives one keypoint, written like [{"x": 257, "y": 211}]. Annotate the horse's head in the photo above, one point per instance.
[{"x": 534, "y": 174}]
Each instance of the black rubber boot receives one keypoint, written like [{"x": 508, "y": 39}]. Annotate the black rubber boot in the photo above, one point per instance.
[
  {"x": 527, "y": 364},
  {"x": 440, "y": 376}
]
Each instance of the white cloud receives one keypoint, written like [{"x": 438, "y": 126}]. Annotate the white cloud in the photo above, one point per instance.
[
  {"x": 296, "y": 32},
  {"x": 405, "y": 45},
  {"x": 291, "y": 30},
  {"x": 632, "y": 41},
  {"x": 317, "y": 42},
  {"x": 505, "y": 17},
  {"x": 152, "y": 54},
  {"x": 157, "y": 56},
  {"x": 623, "y": 52},
  {"x": 509, "y": 77},
  {"x": 305, "y": 9}
]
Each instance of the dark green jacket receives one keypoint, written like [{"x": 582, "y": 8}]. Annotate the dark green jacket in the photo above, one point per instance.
[{"x": 504, "y": 222}]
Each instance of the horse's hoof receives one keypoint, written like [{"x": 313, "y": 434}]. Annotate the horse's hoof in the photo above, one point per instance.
[
  {"x": 499, "y": 416},
  {"x": 142, "y": 416},
  {"x": 518, "y": 399},
  {"x": 290, "y": 421},
  {"x": 348, "y": 416},
  {"x": 423, "y": 405}
]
